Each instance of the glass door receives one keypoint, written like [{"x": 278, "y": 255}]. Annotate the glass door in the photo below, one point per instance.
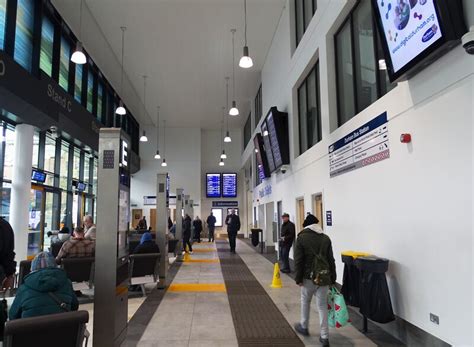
[
  {"x": 51, "y": 216},
  {"x": 35, "y": 221}
]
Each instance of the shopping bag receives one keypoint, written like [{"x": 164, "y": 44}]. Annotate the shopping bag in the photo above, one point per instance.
[{"x": 338, "y": 315}]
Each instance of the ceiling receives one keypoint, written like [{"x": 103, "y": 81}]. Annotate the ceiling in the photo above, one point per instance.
[{"x": 185, "y": 49}]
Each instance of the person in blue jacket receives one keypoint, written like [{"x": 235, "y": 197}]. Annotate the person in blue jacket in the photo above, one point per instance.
[{"x": 46, "y": 290}]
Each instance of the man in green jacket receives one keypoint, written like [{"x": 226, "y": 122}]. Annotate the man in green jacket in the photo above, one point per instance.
[{"x": 310, "y": 242}]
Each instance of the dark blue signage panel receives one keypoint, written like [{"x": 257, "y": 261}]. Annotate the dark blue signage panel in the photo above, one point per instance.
[
  {"x": 225, "y": 204},
  {"x": 329, "y": 218},
  {"x": 229, "y": 185},
  {"x": 213, "y": 185}
]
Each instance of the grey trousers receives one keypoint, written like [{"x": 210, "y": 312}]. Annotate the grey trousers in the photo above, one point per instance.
[{"x": 308, "y": 290}]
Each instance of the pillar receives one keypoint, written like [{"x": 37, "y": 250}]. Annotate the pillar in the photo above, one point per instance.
[
  {"x": 162, "y": 227},
  {"x": 21, "y": 187}
]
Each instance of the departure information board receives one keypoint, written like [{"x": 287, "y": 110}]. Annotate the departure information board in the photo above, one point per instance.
[
  {"x": 229, "y": 185},
  {"x": 213, "y": 185},
  {"x": 268, "y": 147},
  {"x": 275, "y": 146}
]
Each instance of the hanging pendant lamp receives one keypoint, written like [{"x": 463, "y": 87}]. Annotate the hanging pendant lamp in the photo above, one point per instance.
[
  {"x": 144, "y": 138},
  {"x": 245, "y": 62},
  {"x": 223, "y": 155},
  {"x": 157, "y": 155},
  {"x": 163, "y": 162},
  {"x": 227, "y": 137},
  {"x": 234, "y": 111},
  {"x": 78, "y": 56},
  {"x": 120, "y": 109},
  {"x": 221, "y": 163}
]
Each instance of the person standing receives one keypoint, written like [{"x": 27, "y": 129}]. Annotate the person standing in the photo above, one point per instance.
[
  {"x": 286, "y": 241},
  {"x": 187, "y": 234},
  {"x": 7, "y": 254},
  {"x": 197, "y": 225},
  {"x": 89, "y": 228},
  {"x": 211, "y": 225},
  {"x": 233, "y": 226},
  {"x": 315, "y": 272}
]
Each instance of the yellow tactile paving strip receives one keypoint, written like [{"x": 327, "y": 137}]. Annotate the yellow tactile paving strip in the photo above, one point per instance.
[
  {"x": 201, "y": 261},
  {"x": 198, "y": 287},
  {"x": 204, "y": 250}
]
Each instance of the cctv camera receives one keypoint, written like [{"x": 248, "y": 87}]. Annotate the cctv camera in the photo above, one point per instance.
[
  {"x": 284, "y": 169},
  {"x": 468, "y": 41}
]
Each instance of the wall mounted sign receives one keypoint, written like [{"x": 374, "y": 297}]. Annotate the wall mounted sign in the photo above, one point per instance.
[
  {"x": 225, "y": 203},
  {"x": 265, "y": 191},
  {"x": 364, "y": 146},
  {"x": 329, "y": 218}
]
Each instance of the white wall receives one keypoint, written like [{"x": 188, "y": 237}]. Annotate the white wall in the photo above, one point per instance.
[{"x": 414, "y": 208}]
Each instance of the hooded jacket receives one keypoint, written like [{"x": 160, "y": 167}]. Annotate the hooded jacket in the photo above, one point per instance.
[
  {"x": 312, "y": 241},
  {"x": 147, "y": 245},
  {"x": 32, "y": 298}
]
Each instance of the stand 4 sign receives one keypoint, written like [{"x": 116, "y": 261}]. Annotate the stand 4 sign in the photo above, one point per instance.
[{"x": 364, "y": 146}]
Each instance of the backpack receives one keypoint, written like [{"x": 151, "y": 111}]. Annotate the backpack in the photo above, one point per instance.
[{"x": 320, "y": 271}]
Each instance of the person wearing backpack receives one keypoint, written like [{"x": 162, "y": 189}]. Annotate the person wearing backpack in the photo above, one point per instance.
[{"x": 315, "y": 272}]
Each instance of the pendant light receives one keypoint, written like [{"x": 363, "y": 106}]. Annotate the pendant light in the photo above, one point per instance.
[
  {"x": 245, "y": 62},
  {"x": 120, "y": 109},
  {"x": 163, "y": 162},
  {"x": 227, "y": 137},
  {"x": 223, "y": 155},
  {"x": 144, "y": 138},
  {"x": 78, "y": 57},
  {"x": 157, "y": 155},
  {"x": 234, "y": 111},
  {"x": 221, "y": 163}
]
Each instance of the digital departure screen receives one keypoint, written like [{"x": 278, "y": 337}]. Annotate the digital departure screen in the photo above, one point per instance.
[
  {"x": 273, "y": 137},
  {"x": 268, "y": 147},
  {"x": 229, "y": 185},
  {"x": 81, "y": 186},
  {"x": 213, "y": 185},
  {"x": 410, "y": 27},
  {"x": 38, "y": 176}
]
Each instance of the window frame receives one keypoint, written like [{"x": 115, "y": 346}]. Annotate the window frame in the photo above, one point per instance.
[{"x": 314, "y": 7}]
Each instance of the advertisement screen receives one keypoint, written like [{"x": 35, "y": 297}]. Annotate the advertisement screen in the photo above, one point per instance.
[
  {"x": 272, "y": 134},
  {"x": 217, "y": 212},
  {"x": 213, "y": 185},
  {"x": 410, "y": 27}
]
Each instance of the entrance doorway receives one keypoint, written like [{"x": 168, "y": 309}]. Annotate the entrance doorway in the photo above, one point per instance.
[
  {"x": 318, "y": 208},
  {"x": 300, "y": 214},
  {"x": 279, "y": 213},
  {"x": 43, "y": 217}
]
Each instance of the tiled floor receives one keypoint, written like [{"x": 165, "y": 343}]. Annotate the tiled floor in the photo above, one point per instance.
[{"x": 194, "y": 315}]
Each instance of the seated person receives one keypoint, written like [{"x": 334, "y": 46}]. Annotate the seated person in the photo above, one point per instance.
[
  {"x": 76, "y": 247},
  {"x": 147, "y": 245},
  {"x": 90, "y": 228},
  {"x": 44, "y": 290}
]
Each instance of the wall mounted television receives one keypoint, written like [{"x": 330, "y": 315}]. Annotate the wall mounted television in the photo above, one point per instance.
[
  {"x": 38, "y": 176},
  {"x": 267, "y": 147},
  {"x": 276, "y": 137},
  {"x": 229, "y": 185},
  {"x": 261, "y": 156},
  {"x": 417, "y": 32}
]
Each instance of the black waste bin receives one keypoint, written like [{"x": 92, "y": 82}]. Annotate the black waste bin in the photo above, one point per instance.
[
  {"x": 350, "y": 281},
  {"x": 375, "y": 303},
  {"x": 256, "y": 237}
]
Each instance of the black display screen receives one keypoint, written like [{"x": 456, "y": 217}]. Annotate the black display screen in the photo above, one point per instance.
[
  {"x": 273, "y": 136},
  {"x": 268, "y": 147}
]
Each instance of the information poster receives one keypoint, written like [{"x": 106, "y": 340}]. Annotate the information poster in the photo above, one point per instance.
[
  {"x": 410, "y": 27},
  {"x": 229, "y": 185},
  {"x": 213, "y": 185},
  {"x": 364, "y": 146}
]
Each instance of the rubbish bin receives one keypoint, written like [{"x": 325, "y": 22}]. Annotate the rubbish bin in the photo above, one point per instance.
[
  {"x": 256, "y": 238},
  {"x": 375, "y": 303},
  {"x": 351, "y": 278}
]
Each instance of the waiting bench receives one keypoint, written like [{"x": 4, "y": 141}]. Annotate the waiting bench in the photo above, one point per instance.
[
  {"x": 79, "y": 271},
  {"x": 144, "y": 269}
]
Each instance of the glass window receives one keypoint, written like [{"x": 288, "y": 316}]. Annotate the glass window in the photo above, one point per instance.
[
  {"x": 63, "y": 173},
  {"x": 64, "y": 64},
  {"x": 302, "y": 110},
  {"x": 87, "y": 172},
  {"x": 35, "y": 159},
  {"x": 64, "y": 213},
  {"x": 5, "y": 195},
  {"x": 90, "y": 90},
  {"x": 49, "y": 159},
  {"x": 24, "y": 33},
  {"x": 9, "y": 153},
  {"x": 258, "y": 106},
  {"x": 247, "y": 130},
  {"x": 100, "y": 95},
  {"x": 46, "y": 53},
  {"x": 345, "y": 84},
  {"x": 361, "y": 79},
  {"x": 76, "y": 164},
  {"x": 3, "y": 11},
  {"x": 78, "y": 83},
  {"x": 304, "y": 12}
]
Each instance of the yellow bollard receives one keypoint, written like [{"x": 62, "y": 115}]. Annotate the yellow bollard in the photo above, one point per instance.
[{"x": 276, "y": 282}]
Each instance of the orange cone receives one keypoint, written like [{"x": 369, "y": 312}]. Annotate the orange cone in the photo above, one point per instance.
[{"x": 276, "y": 282}]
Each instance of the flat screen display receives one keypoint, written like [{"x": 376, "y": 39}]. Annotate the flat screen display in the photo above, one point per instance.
[
  {"x": 229, "y": 185},
  {"x": 81, "y": 186},
  {"x": 213, "y": 185},
  {"x": 273, "y": 137},
  {"x": 217, "y": 212},
  {"x": 262, "y": 162},
  {"x": 38, "y": 176},
  {"x": 410, "y": 27},
  {"x": 268, "y": 147}
]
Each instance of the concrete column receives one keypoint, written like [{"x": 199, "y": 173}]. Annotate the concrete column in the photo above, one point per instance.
[
  {"x": 162, "y": 227},
  {"x": 179, "y": 221},
  {"x": 191, "y": 209},
  {"x": 21, "y": 187}
]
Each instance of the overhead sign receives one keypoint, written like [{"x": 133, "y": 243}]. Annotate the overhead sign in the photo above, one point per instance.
[
  {"x": 364, "y": 146},
  {"x": 225, "y": 204},
  {"x": 229, "y": 185}
]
